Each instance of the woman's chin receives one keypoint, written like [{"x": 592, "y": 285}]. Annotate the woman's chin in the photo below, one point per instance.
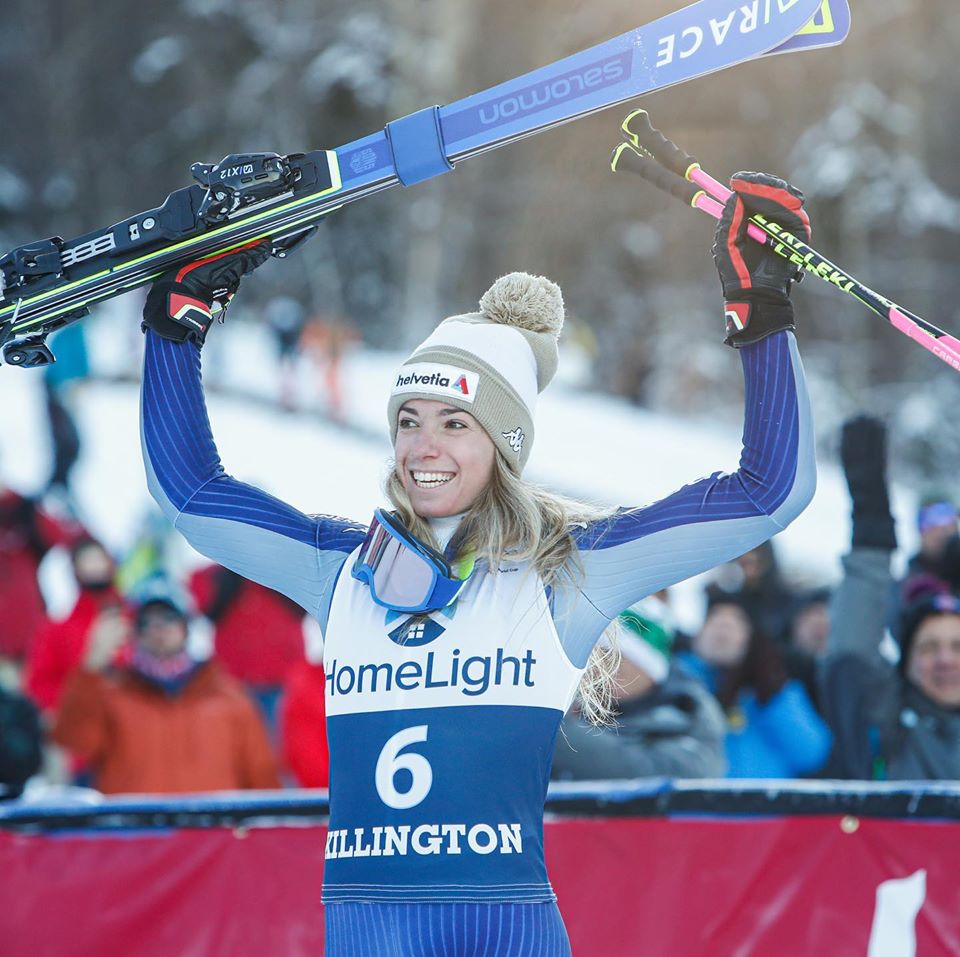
[
  {"x": 432, "y": 508},
  {"x": 437, "y": 503}
]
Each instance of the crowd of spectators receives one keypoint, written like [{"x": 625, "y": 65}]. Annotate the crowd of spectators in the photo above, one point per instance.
[{"x": 858, "y": 682}]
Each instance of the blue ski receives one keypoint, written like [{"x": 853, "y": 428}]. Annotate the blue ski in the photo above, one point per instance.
[
  {"x": 248, "y": 197},
  {"x": 693, "y": 42}
]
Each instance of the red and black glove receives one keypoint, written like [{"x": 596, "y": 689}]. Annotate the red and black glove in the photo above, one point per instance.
[
  {"x": 180, "y": 303},
  {"x": 756, "y": 281}
]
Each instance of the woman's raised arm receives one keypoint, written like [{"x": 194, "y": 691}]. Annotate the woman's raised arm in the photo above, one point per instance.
[
  {"x": 641, "y": 550},
  {"x": 235, "y": 524}
]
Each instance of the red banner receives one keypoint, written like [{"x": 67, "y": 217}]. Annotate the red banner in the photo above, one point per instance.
[{"x": 789, "y": 887}]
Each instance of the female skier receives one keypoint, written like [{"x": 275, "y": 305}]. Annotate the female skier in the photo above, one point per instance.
[{"x": 459, "y": 625}]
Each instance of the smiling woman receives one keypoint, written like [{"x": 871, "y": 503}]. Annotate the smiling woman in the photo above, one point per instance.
[{"x": 460, "y": 627}]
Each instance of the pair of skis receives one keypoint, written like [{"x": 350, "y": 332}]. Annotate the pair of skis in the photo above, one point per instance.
[
  {"x": 646, "y": 151},
  {"x": 248, "y": 197}
]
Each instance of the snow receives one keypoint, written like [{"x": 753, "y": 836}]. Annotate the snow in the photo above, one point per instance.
[
  {"x": 587, "y": 445},
  {"x": 846, "y": 156},
  {"x": 356, "y": 60},
  {"x": 14, "y": 190},
  {"x": 157, "y": 59}
]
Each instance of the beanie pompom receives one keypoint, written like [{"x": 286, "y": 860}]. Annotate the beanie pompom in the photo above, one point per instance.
[{"x": 533, "y": 303}]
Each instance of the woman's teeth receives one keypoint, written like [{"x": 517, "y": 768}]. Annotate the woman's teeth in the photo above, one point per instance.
[{"x": 431, "y": 479}]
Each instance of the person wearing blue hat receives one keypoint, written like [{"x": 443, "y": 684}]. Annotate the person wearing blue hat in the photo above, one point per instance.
[
  {"x": 164, "y": 723},
  {"x": 939, "y": 553}
]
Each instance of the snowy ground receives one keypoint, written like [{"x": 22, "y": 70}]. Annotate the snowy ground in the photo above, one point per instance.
[{"x": 588, "y": 445}]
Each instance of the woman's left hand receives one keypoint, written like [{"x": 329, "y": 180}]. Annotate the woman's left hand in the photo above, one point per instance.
[{"x": 757, "y": 281}]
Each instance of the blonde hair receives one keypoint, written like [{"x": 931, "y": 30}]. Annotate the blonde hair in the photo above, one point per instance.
[{"x": 512, "y": 516}]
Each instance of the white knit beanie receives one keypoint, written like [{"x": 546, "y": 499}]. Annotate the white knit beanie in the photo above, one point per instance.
[{"x": 492, "y": 363}]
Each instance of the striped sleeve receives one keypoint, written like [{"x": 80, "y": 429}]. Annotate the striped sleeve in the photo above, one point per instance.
[
  {"x": 234, "y": 524},
  {"x": 641, "y": 550}
]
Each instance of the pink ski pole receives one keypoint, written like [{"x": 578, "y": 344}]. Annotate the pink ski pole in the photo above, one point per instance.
[{"x": 649, "y": 153}]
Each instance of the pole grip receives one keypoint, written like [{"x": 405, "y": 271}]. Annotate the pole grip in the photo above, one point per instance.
[
  {"x": 643, "y": 134},
  {"x": 626, "y": 157}
]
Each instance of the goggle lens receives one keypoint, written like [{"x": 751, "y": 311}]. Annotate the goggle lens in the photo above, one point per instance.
[{"x": 403, "y": 573}]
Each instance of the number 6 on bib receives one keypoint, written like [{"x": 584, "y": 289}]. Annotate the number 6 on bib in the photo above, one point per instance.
[{"x": 391, "y": 761}]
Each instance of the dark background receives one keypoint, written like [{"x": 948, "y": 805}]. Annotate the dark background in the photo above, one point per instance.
[{"x": 105, "y": 106}]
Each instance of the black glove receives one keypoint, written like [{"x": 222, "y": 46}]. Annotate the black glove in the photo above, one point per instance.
[
  {"x": 756, "y": 281},
  {"x": 180, "y": 303},
  {"x": 863, "y": 454}
]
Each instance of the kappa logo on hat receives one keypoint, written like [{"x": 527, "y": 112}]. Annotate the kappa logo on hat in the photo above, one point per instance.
[
  {"x": 436, "y": 379},
  {"x": 515, "y": 439}
]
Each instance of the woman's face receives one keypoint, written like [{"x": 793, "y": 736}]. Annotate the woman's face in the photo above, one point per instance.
[
  {"x": 444, "y": 457},
  {"x": 724, "y": 637},
  {"x": 934, "y": 662}
]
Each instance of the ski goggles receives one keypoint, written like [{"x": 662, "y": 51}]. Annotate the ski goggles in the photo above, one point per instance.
[{"x": 403, "y": 573}]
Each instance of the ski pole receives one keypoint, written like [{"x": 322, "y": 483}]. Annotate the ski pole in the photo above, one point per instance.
[{"x": 647, "y": 152}]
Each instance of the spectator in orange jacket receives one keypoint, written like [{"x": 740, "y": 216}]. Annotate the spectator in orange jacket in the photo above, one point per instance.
[
  {"x": 166, "y": 723},
  {"x": 58, "y": 646}
]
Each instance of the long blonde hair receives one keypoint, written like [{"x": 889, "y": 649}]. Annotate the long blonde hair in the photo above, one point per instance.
[{"x": 513, "y": 516}]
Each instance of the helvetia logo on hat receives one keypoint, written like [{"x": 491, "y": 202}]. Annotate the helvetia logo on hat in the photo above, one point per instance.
[{"x": 435, "y": 379}]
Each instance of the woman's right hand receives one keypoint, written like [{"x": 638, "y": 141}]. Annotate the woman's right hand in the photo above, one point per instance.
[{"x": 179, "y": 305}]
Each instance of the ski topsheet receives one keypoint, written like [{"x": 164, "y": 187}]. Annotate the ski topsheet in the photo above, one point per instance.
[
  {"x": 829, "y": 27},
  {"x": 48, "y": 284}
]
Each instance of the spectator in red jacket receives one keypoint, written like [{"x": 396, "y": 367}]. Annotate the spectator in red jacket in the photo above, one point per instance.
[
  {"x": 303, "y": 726},
  {"x": 258, "y": 633},
  {"x": 27, "y": 533},
  {"x": 166, "y": 723},
  {"x": 58, "y": 646}
]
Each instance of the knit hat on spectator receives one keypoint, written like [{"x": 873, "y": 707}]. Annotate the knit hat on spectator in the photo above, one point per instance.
[
  {"x": 646, "y": 639},
  {"x": 934, "y": 511},
  {"x": 806, "y": 599},
  {"x": 715, "y": 595},
  {"x": 913, "y": 615},
  {"x": 160, "y": 591},
  {"x": 492, "y": 363}
]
